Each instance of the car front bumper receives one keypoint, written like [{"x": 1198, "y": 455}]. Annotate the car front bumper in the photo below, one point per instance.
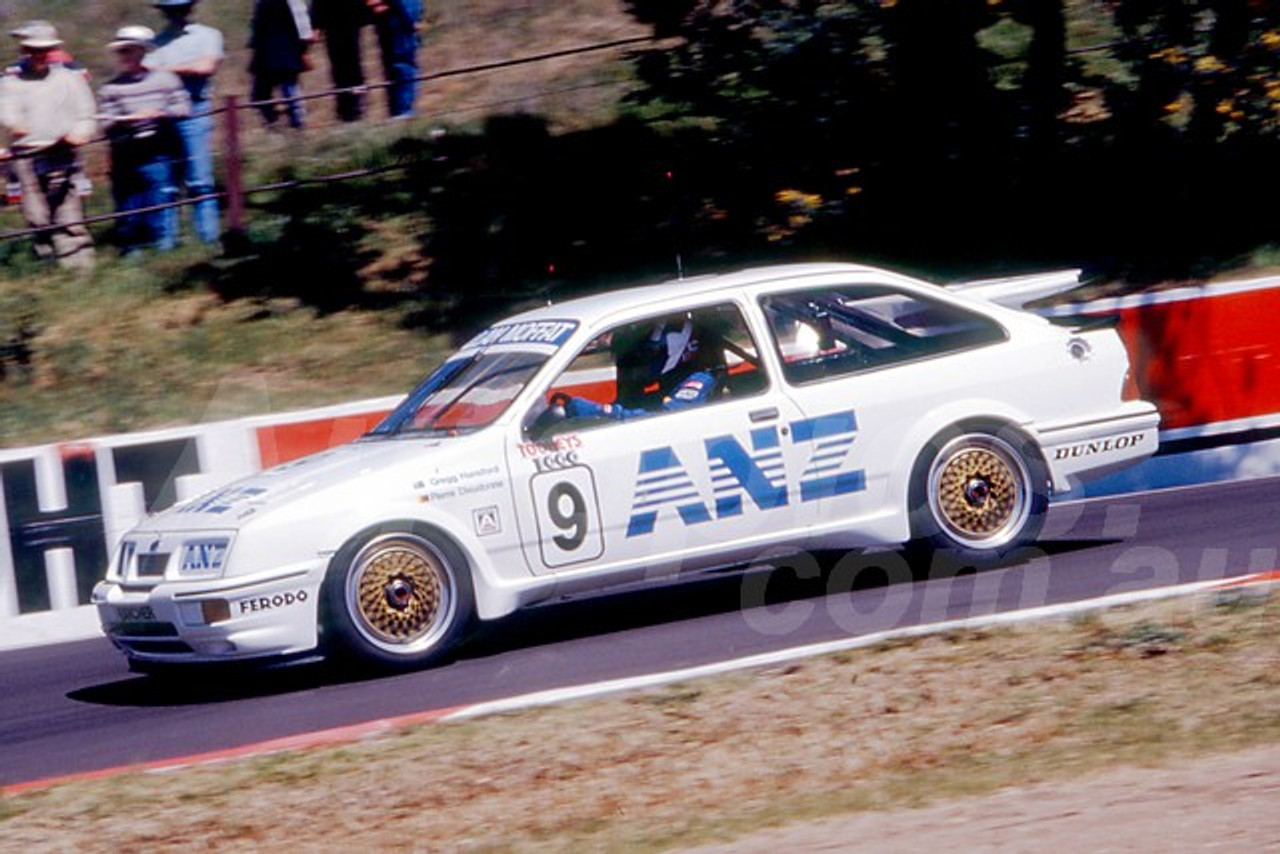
[{"x": 233, "y": 619}]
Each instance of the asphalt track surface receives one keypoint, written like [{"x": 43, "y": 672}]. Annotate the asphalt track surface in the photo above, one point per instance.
[{"x": 75, "y": 708}]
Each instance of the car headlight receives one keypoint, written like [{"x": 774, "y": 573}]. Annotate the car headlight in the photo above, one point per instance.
[{"x": 123, "y": 558}]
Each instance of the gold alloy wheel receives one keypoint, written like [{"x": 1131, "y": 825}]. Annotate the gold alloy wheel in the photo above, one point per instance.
[
  {"x": 400, "y": 593},
  {"x": 979, "y": 490}
]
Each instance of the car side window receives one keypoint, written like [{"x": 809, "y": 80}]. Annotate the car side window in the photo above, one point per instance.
[
  {"x": 832, "y": 332},
  {"x": 659, "y": 364}
]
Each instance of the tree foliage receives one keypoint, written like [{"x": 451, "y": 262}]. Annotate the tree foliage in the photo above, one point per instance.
[
  {"x": 1131, "y": 137},
  {"x": 1171, "y": 121}
]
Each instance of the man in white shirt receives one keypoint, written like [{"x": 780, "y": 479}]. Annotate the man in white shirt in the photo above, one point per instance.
[{"x": 48, "y": 110}]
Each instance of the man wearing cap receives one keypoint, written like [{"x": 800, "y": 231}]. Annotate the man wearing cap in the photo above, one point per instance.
[
  {"x": 48, "y": 110},
  {"x": 58, "y": 56},
  {"x": 193, "y": 52},
  {"x": 140, "y": 110}
]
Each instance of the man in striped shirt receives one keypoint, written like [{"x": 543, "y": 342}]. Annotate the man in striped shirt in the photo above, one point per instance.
[{"x": 140, "y": 109}]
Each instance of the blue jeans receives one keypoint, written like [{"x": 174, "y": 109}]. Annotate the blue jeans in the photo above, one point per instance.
[
  {"x": 196, "y": 170},
  {"x": 264, "y": 86},
  {"x": 398, "y": 41},
  {"x": 149, "y": 183}
]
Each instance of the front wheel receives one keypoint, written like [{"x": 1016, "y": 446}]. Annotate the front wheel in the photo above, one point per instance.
[
  {"x": 978, "y": 493},
  {"x": 398, "y": 597}
]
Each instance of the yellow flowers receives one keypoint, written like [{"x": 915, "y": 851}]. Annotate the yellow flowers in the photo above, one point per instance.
[
  {"x": 798, "y": 199},
  {"x": 1171, "y": 55},
  {"x": 1227, "y": 107},
  {"x": 1179, "y": 106},
  {"x": 799, "y": 209},
  {"x": 1209, "y": 64}
]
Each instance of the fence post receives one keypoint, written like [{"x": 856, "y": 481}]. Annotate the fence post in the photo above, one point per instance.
[{"x": 235, "y": 177}]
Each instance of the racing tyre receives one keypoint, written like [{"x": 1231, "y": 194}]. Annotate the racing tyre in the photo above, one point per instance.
[
  {"x": 396, "y": 598},
  {"x": 978, "y": 493}
]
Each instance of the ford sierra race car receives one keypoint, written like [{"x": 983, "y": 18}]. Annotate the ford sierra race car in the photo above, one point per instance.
[{"x": 690, "y": 425}]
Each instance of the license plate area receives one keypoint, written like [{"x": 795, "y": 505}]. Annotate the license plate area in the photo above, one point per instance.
[{"x": 135, "y": 614}]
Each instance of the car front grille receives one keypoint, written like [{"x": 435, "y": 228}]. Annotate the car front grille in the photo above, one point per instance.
[{"x": 145, "y": 630}]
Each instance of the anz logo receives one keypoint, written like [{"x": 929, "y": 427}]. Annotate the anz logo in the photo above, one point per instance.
[{"x": 759, "y": 474}]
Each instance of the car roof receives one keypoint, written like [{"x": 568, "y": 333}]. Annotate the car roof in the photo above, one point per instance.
[{"x": 590, "y": 309}]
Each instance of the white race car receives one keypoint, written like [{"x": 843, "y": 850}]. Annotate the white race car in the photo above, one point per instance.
[{"x": 683, "y": 426}]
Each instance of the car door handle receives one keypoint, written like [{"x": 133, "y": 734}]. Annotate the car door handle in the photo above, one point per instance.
[{"x": 764, "y": 415}]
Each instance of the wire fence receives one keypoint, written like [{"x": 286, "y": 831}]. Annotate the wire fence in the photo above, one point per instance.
[{"x": 234, "y": 194}]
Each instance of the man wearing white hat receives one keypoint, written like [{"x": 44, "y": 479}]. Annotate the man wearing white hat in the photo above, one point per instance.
[
  {"x": 48, "y": 111},
  {"x": 140, "y": 109}
]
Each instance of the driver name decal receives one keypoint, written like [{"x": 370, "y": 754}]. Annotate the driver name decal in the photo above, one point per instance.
[{"x": 553, "y": 332}]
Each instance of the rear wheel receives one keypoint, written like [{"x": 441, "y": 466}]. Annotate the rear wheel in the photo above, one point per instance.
[
  {"x": 397, "y": 597},
  {"x": 979, "y": 492}
]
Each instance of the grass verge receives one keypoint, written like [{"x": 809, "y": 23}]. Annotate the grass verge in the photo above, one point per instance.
[{"x": 903, "y": 724}]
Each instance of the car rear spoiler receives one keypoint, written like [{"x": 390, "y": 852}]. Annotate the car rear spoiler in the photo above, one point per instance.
[{"x": 1017, "y": 291}]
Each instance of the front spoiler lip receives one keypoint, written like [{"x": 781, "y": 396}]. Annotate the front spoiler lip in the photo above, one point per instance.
[{"x": 199, "y": 669}]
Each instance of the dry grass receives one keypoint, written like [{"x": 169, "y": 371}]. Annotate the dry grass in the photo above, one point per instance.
[
  {"x": 146, "y": 345},
  {"x": 902, "y": 724}
]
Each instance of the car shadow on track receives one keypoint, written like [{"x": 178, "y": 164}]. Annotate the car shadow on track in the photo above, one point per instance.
[
  {"x": 786, "y": 579},
  {"x": 767, "y": 585},
  {"x": 211, "y": 684}
]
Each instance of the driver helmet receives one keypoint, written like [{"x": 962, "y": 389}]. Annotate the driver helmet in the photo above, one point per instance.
[
  {"x": 675, "y": 345},
  {"x": 650, "y": 355}
]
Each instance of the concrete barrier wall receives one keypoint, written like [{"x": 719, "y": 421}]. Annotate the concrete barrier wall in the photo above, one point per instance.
[
  {"x": 64, "y": 506},
  {"x": 1206, "y": 355}
]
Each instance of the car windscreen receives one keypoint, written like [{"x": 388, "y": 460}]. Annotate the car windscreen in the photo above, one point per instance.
[{"x": 464, "y": 394}]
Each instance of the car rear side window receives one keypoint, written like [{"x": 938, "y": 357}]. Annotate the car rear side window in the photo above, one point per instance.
[{"x": 832, "y": 332}]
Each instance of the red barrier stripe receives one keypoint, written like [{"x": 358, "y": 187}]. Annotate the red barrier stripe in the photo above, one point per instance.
[
  {"x": 280, "y": 443},
  {"x": 1253, "y": 578},
  {"x": 1209, "y": 360}
]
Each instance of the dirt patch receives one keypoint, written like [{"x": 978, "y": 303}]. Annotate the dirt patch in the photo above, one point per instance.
[{"x": 1222, "y": 803}]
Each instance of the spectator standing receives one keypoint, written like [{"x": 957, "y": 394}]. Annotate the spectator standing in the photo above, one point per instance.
[
  {"x": 140, "y": 109},
  {"x": 280, "y": 34},
  {"x": 193, "y": 52},
  {"x": 48, "y": 110},
  {"x": 396, "y": 22},
  {"x": 339, "y": 23},
  {"x": 58, "y": 56}
]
